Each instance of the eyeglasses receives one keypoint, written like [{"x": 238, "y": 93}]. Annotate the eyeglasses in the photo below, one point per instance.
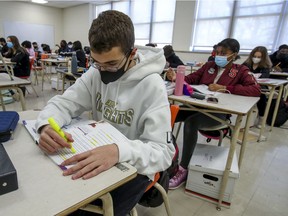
[{"x": 110, "y": 68}]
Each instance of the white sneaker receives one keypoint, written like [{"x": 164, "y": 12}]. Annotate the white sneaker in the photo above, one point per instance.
[
  {"x": 260, "y": 120},
  {"x": 16, "y": 96}
]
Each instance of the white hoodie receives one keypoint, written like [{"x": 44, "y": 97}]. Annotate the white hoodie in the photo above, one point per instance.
[{"x": 136, "y": 104}]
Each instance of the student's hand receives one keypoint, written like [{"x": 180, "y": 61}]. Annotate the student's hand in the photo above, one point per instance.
[
  {"x": 170, "y": 74},
  {"x": 277, "y": 69},
  {"x": 90, "y": 163},
  {"x": 216, "y": 87},
  {"x": 50, "y": 141}
]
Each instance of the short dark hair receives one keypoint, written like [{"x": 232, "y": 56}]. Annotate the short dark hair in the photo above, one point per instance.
[
  {"x": 168, "y": 51},
  {"x": 2, "y": 40},
  {"x": 231, "y": 44},
  {"x": 283, "y": 46},
  {"x": 110, "y": 29},
  {"x": 26, "y": 44},
  {"x": 77, "y": 45}
]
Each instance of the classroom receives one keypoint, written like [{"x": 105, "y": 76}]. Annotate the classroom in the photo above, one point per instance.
[{"x": 252, "y": 178}]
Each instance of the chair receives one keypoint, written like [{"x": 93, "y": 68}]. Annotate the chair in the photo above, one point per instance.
[
  {"x": 106, "y": 199},
  {"x": 174, "y": 109},
  {"x": 217, "y": 132},
  {"x": 35, "y": 69}
]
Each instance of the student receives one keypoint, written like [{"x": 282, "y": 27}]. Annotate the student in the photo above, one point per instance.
[
  {"x": 279, "y": 59},
  {"x": 20, "y": 56},
  {"x": 222, "y": 76},
  {"x": 46, "y": 48},
  {"x": 4, "y": 47},
  {"x": 123, "y": 87},
  {"x": 63, "y": 48},
  {"x": 81, "y": 57},
  {"x": 259, "y": 62},
  {"x": 28, "y": 46},
  {"x": 151, "y": 44},
  {"x": 171, "y": 58},
  {"x": 213, "y": 53},
  {"x": 70, "y": 47}
]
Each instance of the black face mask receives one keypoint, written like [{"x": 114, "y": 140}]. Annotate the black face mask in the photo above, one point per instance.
[
  {"x": 107, "y": 76},
  {"x": 282, "y": 57}
]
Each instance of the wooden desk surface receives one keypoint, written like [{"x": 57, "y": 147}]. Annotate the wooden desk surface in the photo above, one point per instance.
[
  {"x": 55, "y": 60},
  {"x": 42, "y": 188},
  {"x": 271, "y": 81},
  {"x": 6, "y": 81},
  {"x": 285, "y": 74},
  {"x": 233, "y": 104}
]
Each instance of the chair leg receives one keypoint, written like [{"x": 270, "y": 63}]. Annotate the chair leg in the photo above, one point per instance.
[
  {"x": 34, "y": 90},
  {"x": 178, "y": 129},
  {"x": 106, "y": 209},
  {"x": 165, "y": 198},
  {"x": 220, "y": 138},
  {"x": 134, "y": 212}
]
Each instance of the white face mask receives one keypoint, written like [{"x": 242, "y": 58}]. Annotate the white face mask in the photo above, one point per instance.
[{"x": 256, "y": 60}]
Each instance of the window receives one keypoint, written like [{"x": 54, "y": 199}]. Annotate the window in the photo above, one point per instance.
[
  {"x": 253, "y": 23},
  {"x": 153, "y": 19}
]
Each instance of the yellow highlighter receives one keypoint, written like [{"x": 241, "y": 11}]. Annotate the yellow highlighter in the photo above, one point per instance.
[{"x": 57, "y": 128}]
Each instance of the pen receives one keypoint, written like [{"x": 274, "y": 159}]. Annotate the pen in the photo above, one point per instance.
[{"x": 57, "y": 128}]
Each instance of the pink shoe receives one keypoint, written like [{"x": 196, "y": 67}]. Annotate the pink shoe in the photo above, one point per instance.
[{"x": 178, "y": 179}]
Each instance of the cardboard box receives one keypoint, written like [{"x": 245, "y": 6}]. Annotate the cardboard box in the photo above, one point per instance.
[
  {"x": 205, "y": 173},
  {"x": 54, "y": 84},
  {"x": 8, "y": 175}
]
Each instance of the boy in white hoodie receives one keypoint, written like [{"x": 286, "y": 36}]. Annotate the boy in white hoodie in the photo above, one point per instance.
[{"x": 123, "y": 87}]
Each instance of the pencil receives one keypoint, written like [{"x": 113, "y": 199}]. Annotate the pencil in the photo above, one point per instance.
[{"x": 277, "y": 64}]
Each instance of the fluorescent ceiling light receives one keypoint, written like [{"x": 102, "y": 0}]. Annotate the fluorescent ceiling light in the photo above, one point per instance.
[{"x": 40, "y": 1}]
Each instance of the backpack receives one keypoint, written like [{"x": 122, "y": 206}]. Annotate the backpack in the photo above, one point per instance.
[
  {"x": 282, "y": 113},
  {"x": 153, "y": 197}
]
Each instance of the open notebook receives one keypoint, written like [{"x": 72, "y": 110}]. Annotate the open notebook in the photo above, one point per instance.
[{"x": 87, "y": 134}]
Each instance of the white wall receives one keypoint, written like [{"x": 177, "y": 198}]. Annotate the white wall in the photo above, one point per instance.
[
  {"x": 77, "y": 21},
  {"x": 31, "y": 14}
]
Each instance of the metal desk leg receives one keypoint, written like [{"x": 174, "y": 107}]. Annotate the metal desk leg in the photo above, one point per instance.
[
  {"x": 2, "y": 101},
  {"x": 276, "y": 107},
  {"x": 272, "y": 90},
  {"x": 229, "y": 160},
  {"x": 244, "y": 139},
  {"x": 106, "y": 208},
  {"x": 63, "y": 83}
]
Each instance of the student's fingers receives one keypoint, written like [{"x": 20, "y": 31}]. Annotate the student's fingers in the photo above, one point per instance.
[
  {"x": 57, "y": 138},
  {"x": 47, "y": 144},
  {"x": 69, "y": 137}
]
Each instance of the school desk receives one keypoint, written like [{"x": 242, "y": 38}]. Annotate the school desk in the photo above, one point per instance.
[
  {"x": 48, "y": 63},
  {"x": 7, "y": 83},
  {"x": 272, "y": 84},
  {"x": 43, "y": 190},
  {"x": 228, "y": 104}
]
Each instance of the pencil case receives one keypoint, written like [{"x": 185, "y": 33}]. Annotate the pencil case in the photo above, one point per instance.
[
  {"x": 8, "y": 174},
  {"x": 8, "y": 123}
]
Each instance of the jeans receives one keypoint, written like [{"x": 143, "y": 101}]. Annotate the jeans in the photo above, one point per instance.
[
  {"x": 124, "y": 197},
  {"x": 192, "y": 122}
]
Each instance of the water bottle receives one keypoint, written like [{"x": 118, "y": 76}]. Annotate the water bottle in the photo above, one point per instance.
[
  {"x": 180, "y": 75},
  {"x": 74, "y": 63},
  {"x": 69, "y": 66}
]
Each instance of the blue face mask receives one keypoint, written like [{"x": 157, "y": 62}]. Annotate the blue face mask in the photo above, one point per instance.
[
  {"x": 9, "y": 44},
  {"x": 221, "y": 61}
]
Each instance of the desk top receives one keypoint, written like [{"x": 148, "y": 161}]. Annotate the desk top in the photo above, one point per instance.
[
  {"x": 271, "y": 82},
  {"x": 279, "y": 73},
  {"x": 55, "y": 60},
  {"x": 42, "y": 188},
  {"x": 230, "y": 103},
  {"x": 6, "y": 81}
]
